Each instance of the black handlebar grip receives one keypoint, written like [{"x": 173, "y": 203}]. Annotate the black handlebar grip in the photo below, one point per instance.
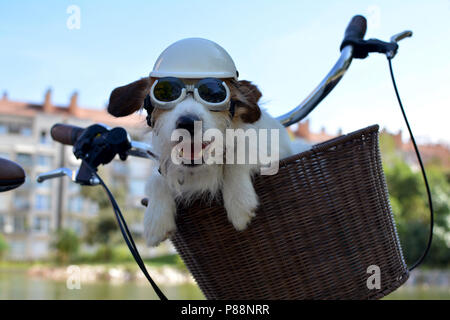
[
  {"x": 12, "y": 175},
  {"x": 65, "y": 133},
  {"x": 356, "y": 29}
]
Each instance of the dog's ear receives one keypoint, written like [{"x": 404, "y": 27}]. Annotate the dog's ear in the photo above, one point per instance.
[
  {"x": 129, "y": 98},
  {"x": 246, "y": 97}
]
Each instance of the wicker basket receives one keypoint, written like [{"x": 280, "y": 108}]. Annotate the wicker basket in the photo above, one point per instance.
[{"x": 322, "y": 221}]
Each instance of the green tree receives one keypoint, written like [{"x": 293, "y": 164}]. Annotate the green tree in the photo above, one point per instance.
[
  {"x": 3, "y": 247},
  {"x": 410, "y": 205},
  {"x": 103, "y": 230},
  {"x": 66, "y": 243}
]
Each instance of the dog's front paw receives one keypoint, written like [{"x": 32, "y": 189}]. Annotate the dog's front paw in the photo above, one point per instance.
[
  {"x": 241, "y": 218},
  {"x": 159, "y": 223},
  {"x": 155, "y": 238},
  {"x": 239, "y": 197}
]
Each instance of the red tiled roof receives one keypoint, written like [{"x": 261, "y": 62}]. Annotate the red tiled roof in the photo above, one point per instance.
[
  {"x": 26, "y": 109},
  {"x": 429, "y": 152}
]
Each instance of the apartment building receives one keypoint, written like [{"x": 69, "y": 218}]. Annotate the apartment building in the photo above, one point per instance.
[{"x": 31, "y": 213}]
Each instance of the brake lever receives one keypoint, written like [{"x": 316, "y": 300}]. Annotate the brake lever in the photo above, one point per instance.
[
  {"x": 61, "y": 172},
  {"x": 395, "y": 39},
  {"x": 402, "y": 35},
  {"x": 362, "y": 48},
  {"x": 142, "y": 150},
  {"x": 99, "y": 145}
]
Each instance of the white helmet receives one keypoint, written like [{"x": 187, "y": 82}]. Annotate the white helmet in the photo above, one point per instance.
[{"x": 194, "y": 58}]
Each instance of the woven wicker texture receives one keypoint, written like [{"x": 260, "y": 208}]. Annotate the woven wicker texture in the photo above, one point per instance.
[{"x": 322, "y": 221}]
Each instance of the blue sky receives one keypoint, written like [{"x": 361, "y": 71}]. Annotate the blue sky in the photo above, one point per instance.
[{"x": 285, "y": 47}]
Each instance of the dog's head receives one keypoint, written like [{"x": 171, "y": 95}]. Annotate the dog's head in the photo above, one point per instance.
[
  {"x": 242, "y": 108},
  {"x": 193, "y": 88}
]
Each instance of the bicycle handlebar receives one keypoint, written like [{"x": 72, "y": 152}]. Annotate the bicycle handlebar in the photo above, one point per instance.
[
  {"x": 353, "y": 46},
  {"x": 69, "y": 134},
  {"x": 12, "y": 175},
  {"x": 65, "y": 133},
  {"x": 356, "y": 29},
  {"x": 98, "y": 145}
]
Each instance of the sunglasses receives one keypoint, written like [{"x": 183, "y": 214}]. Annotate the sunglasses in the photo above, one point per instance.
[{"x": 167, "y": 92}]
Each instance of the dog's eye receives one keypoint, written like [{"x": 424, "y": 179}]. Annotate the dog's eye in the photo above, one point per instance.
[
  {"x": 212, "y": 90},
  {"x": 167, "y": 91}
]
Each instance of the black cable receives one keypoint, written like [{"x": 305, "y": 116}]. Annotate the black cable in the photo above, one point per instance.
[
  {"x": 416, "y": 149},
  {"x": 127, "y": 236}
]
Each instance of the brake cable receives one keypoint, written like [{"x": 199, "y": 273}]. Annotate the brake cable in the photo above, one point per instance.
[
  {"x": 422, "y": 168},
  {"x": 127, "y": 235},
  {"x": 361, "y": 49}
]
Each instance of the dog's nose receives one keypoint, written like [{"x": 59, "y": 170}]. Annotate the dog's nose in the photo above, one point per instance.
[{"x": 187, "y": 122}]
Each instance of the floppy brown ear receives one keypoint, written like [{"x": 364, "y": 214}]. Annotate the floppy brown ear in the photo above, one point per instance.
[
  {"x": 246, "y": 97},
  {"x": 129, "y": 98}
]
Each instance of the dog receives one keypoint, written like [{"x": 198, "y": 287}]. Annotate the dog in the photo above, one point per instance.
[{"x": 170, "y": 183}]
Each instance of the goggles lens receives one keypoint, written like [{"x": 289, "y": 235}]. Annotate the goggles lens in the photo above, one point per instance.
[
  {"x": 211, "y": 90},
  {"x": 168, "y": 89}
]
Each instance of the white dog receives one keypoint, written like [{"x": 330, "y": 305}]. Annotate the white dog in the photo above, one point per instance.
[{"x": 171, "y": 182}]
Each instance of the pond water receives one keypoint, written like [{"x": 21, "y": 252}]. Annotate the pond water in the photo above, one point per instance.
[{"x": 18, "y": 285}]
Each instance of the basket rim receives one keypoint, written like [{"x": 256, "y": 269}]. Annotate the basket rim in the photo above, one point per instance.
[{"x": 327, "y": 144}]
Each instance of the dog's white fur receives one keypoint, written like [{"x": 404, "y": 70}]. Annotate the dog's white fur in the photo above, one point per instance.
[{"x": 184, "y": 183}]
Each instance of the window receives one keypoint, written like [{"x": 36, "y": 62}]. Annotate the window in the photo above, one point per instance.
[
  {"x": 120, "y": 167},
  {"x": 42, "y": 202},
  {"x": 39, "y": 249},
  {"x": 19, "y": 223},
  {"x": 73, "y": 187},
  {"x": 3, "y": 128},
  {"x": 46, "y": 185},
  {"x": 44, "y": 138},
  {"x": 17, "y": 248},
  {"x": 93, "y": 208},
  {"x": 44, "y": 161},
  {"x": 136, "y": 187},
  {"x": 74, "y": 224},
  {"x": 4, "y": 155},
  {"x": 28, "y": 184},
  {"x": 20, "y": 128},
  {"x": 21, "y": 202},
  {"x": 41, "y": 224},
  {"x": 75, "y": 204},
  {"x": 4, "y": 201},
  {"x": 25, "y": 131},
  {"x": 139, "y": 167},
  {"x": 25, "y": 159},
  {"x": 2, "y": 222},
  {"x": 14, "y": 128},
  {"x": 77, "y": 227}
]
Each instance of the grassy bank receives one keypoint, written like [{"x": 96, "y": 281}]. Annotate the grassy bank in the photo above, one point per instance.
[{"x": 172, "y": 260}]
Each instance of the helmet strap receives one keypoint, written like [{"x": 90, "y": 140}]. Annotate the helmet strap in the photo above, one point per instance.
[
  {"x": 232, "y": 109},
  {"x": 149, "y": 108}
]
